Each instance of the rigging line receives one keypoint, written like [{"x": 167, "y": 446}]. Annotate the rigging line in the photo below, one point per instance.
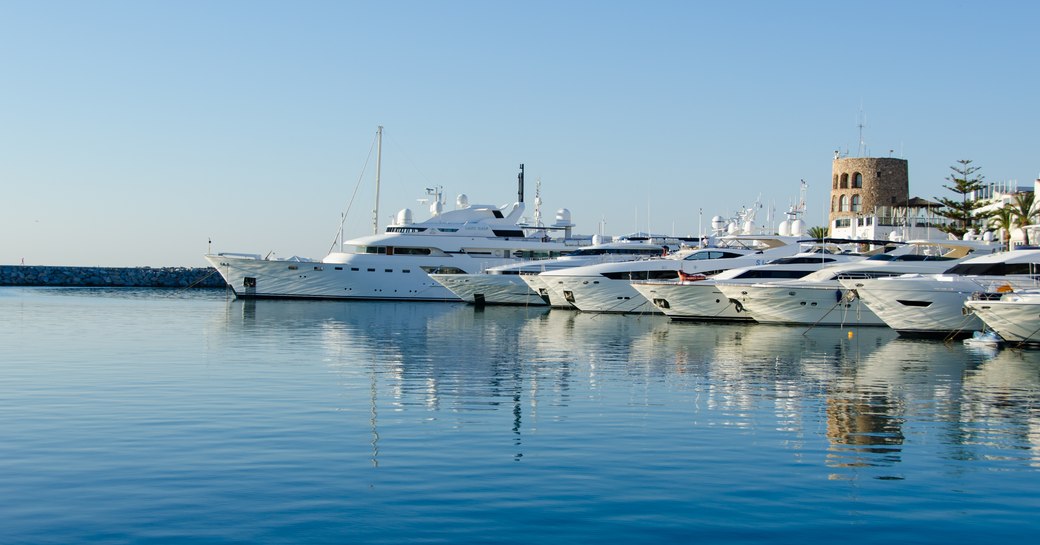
[
  {"x": 200, "y": 280},
  {"x": 957, "y": 330},
  {"x": 824, "y": 316},
  {"x": 1026, "y": 339},
  {"x": 343, "y": 217}
]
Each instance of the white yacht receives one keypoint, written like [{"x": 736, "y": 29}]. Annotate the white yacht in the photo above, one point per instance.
[
  {"x": 607, "y": 287},
  {"x": 819, "y": 298},
  {"x": 700, "y": 299},
  {"x": 396, "y": 264},
  {"x": 505, "y": 284},
  {"x": 933, "y": 304},
  {"x": 1015, "y": 315}
]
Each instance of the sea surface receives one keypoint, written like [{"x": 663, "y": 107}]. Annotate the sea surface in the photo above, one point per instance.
[{"x": 177, "y": 416}]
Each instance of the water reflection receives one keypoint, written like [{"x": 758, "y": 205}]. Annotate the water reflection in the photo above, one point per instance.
[{"x": 851, "y": 397}]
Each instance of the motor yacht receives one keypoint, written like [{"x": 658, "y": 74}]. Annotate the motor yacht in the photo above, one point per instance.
[
  {"x": 700, "y": 299},
  {"x": 819, "y": 299},
  {"x": 607, "y": 287},
  {"x": 933, "y": 304},
  {"x": 505, "y": 284},
  {"x": 396, "y": 264},
  {"x": 1014, "y": 315}
]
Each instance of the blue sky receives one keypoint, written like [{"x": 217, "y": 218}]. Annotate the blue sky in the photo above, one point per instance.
[{"x": 131, "y": 133}]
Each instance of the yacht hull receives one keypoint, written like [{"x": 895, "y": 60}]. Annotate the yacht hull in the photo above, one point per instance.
[
  {"x": 828, "y": 305},
  {"x": 357, "y": 276},
  {"x": 490, "y": 289},
  {"x": 700, "y": 300},
  {"x": 1014, "y": 321}
]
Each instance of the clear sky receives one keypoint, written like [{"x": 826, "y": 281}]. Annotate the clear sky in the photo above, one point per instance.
[{"x": 132, "y": 132}]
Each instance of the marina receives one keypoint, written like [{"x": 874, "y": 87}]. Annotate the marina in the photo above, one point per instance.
[{"x": 147, "y": 416}]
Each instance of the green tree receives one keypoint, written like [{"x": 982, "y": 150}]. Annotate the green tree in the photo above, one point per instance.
[
  {"x": 962, "y": 211},
  {"x": 818, "y": 232},
  {"x": 1023, "y": 211},
  {"x": 1002, "y": 218}
]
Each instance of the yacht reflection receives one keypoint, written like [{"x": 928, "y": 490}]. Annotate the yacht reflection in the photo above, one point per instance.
[
  {"x": 998, "y": 405},
  {"x": 853, "y": 389}
]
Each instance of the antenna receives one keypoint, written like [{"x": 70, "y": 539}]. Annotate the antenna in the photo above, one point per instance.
[
  {"x": 862, "y": 123},
  {"x": 538, "y": 202}
]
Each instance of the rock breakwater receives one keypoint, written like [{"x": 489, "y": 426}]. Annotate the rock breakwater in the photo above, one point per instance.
[{"x": 136, "y": 277}]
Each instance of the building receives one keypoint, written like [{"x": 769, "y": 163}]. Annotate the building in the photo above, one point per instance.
[{"x": 870, "y": 199}]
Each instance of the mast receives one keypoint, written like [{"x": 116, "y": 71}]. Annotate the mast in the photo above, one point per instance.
[{"x": 379, "y": 161}]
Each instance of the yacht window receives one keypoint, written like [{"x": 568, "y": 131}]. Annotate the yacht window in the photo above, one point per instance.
[
  {"x": 667, "y": 274},
  {"x": 805, "y": 259},
  {"x": 339, "y": 268},
  {"x": 371, "y": 270},
  {"x": 293, "y": 267},
  {"x": 411, "y": 251},
  {"x": 388, "y": 270},
  {"x": 712, "y": 254},
  {"x": 994, "y": 269},
  {"x": 508, "y": 233},
  {"x": 355, "y": 269},
  {"x": 443, "y": 270}
]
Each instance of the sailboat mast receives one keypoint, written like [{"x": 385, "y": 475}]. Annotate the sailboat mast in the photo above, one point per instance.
[{"x": 379, "y": 162}]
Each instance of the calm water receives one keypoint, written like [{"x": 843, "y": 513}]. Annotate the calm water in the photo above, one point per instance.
[{"x": 180, "y": 417}]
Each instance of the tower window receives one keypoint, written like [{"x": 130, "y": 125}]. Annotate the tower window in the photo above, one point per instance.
[
  {"x": 857, "y": 205},
  {"x": 857, "y": 180},
  {"x": 844, "y": 183},
  {"x": 842, "y": 203},
  {"x": 835, "y": 186}
]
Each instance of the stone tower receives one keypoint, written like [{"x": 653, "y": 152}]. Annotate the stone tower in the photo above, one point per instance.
[{"x": 864, "y": 186}]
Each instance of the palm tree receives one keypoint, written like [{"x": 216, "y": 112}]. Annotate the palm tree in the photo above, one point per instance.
[
  {"x": 1002, "y": 220},
  {"x": 1023, "y": 210},
  {"x": 818, "y": 232}
]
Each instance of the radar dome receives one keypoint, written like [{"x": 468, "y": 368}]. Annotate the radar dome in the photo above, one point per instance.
[
  {"x": 563, "y": 216},
  {"x": 404, "y": 217},
  {"x": 797, "y": 228},
  {"x": 784, "y": 229},
  {"x": 718, "y": 223},
  {"x": 462, "y": 201}
]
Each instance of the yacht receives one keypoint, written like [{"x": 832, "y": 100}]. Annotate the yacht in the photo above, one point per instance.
[
  {"x": 396, "y": 264},
  {"x": 700, "y": 299},
  {"x": 1014, "y": 315},
  {"x": 607, "y": 287},
  {"x": 819, "y": 298},
  {"x": 933, "y": 304},
  {"x": 505, "y": 284}
]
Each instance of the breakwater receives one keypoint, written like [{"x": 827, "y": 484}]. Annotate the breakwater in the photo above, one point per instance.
[{"x": 136, "y": 277}]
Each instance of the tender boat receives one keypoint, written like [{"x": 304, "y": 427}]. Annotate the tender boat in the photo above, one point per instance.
[{"x": 933, "y": 304}]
